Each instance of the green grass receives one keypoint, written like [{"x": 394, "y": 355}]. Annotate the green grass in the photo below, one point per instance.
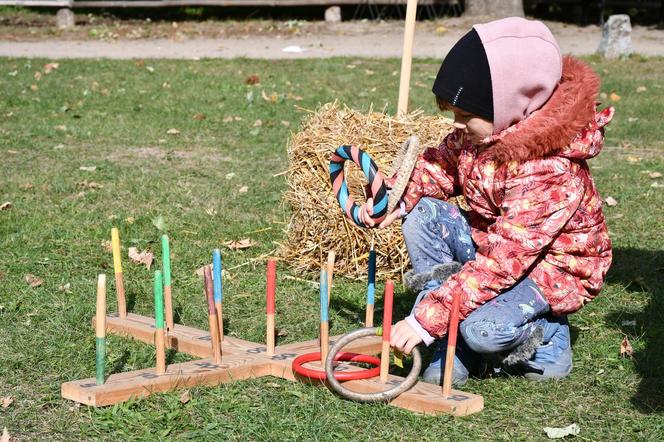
[{"x": 114, "y": 115}]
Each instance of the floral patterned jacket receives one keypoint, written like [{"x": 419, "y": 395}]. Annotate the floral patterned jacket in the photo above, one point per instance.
[{"x": 534, "y": 208}]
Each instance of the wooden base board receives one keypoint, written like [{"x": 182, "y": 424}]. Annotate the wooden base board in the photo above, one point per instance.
[{"x": 242, "y": 360}]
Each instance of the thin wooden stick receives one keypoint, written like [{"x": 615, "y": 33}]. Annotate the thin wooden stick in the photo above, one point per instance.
[
  {"x": 212, "y": 316},
  {"x": 387, "y": 330},
  {"x": 100, "y": 329},
  {"x": 218, "y": 292},
  {"x": 330, "y": 272},
  {"x": 453, "y": 327},
  {"x": 166, "y": 264},
  {"x": 271, "y": 307},
  {"x": 371, "y": 289},
  {"x": 159, "y": 323},
  {"x": 324, "y": 318},
  {"x": 407, "y": 57},
  {"x": 117, "y": 267}
]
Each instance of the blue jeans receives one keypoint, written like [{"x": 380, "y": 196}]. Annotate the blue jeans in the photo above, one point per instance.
[{"x": 436, "y": 232}]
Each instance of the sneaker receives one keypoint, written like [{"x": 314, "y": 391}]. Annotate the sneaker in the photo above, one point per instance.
[
  {"x": 465, "y": 361},
  {"x": 552, "y": 359}
]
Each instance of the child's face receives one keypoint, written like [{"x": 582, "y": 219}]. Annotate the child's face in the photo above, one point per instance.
[{"x": 477, "y": 128}]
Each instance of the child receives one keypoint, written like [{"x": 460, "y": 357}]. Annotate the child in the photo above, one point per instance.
[{"x": 533, "y": 245}]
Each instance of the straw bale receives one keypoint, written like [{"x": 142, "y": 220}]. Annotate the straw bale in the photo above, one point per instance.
[{"x": 318, "y": 224}]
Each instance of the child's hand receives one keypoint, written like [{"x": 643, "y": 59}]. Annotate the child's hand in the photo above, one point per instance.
[
  {"x": 403, "y": 337},
  {"x": 366, "y": 210}
]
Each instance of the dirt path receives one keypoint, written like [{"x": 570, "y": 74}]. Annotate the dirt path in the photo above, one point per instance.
[{"x": 316, "y": 39}]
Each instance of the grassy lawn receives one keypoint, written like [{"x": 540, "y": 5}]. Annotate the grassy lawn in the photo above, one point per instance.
[{"x": 114, "y": 116}]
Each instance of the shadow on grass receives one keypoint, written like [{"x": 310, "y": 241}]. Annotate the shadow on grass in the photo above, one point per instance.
[{"x": 643, "y": 271}]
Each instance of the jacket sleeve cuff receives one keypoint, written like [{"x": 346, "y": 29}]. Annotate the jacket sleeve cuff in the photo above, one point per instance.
[{"x": 426, "y": 337}]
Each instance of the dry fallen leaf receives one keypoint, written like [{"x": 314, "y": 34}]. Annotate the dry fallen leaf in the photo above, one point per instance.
[
  {"x": 33, "y": 280},
  {"x": 282, "y": 332},
  {"x": 144, "y": 257},
  {"x": 228, "y": 119},
  {"x": 656, "y": 185},
  {"x": 559, "y": 433},
  {"x": 88, "y": 168},
  {"x": 64, "y": 287},
  {"x": 633, "y": 160},
  {"x": 50, "y": 67},
  {"x": 230, "y": 175},
  {"x": 38, "y": 75},
  {"x": 626, "y": 348},
  {"x": 285, "y": 123},
  {"x": 610, "y": 201},
  {"x": 89, "y": 185},
  {"x": 5, "y": 435},
  {"x": 258, "y": 123},
  {"x": 130, "y": 220},
  {"x": 200, "y": 271},
  {"x": 253, "y": 79},
  {"x": 34, "y": 87},
  {"x": 654, "y": 175},
  {"x": 107, "y": 245},
  {"x": 185, "y": 397},
  {"x": 294, "y": 97},
  {"x": 244, "y": 189},
  {"x": 239, "y": 245},
  {"x": 200, "y": 116},
  {"x": 6, "y": 205},
  {"x": 614, "y": 97},
  {"x": 272, "y": 98},
  {"x": 641, "y": 89},
  {"x": 172, "y": 131},
  {"x": 7, "y": 401}
]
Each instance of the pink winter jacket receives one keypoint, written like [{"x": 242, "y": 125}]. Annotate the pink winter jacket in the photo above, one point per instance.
[{"x": 534, "y": 208}]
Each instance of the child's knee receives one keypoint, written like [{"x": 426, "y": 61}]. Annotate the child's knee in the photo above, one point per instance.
[
  {"x": 424, "y": 212},
  {"x": 488, "y": 337}
]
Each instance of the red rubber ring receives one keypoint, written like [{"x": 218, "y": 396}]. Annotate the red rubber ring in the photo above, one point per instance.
[{"x": 298, "y": 366}]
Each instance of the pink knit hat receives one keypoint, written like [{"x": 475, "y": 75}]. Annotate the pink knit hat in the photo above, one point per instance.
[{"x": 526, "y": 66}]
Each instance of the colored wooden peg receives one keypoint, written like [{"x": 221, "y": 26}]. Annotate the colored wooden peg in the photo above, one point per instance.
[
  {"x": 324, "y": 320},
  {"x": 218, "y": 290},
  {"x": 117, "y": 267},
  {"x": 387, "y": 330},
  {"x": 212, "y": 316},
  {"x": 271, "y": 305},
  {"x": 453, "y": 327},
  {"x": 100, "y": 329},
  {"x": 330, "y": 272},
  {"x": 159, "y": 322},
  {"x": 371, "y": 289},
  {"x": 166, "y": 264}
]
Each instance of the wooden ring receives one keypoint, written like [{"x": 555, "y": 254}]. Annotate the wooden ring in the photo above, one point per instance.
[{"x": 382, "y": 396}]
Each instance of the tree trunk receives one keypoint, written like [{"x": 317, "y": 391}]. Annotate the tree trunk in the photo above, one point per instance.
[{"x": 494, "y": 8}]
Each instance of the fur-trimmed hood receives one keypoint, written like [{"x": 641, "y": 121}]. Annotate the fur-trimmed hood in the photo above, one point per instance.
[{"x": 554, "y": 128}]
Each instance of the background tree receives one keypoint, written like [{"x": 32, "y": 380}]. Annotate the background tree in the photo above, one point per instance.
[{"x": 494, "y": 8}]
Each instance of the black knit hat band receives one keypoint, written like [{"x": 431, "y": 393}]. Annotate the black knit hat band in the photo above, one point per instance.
[{"x": 464, "y": 78}]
